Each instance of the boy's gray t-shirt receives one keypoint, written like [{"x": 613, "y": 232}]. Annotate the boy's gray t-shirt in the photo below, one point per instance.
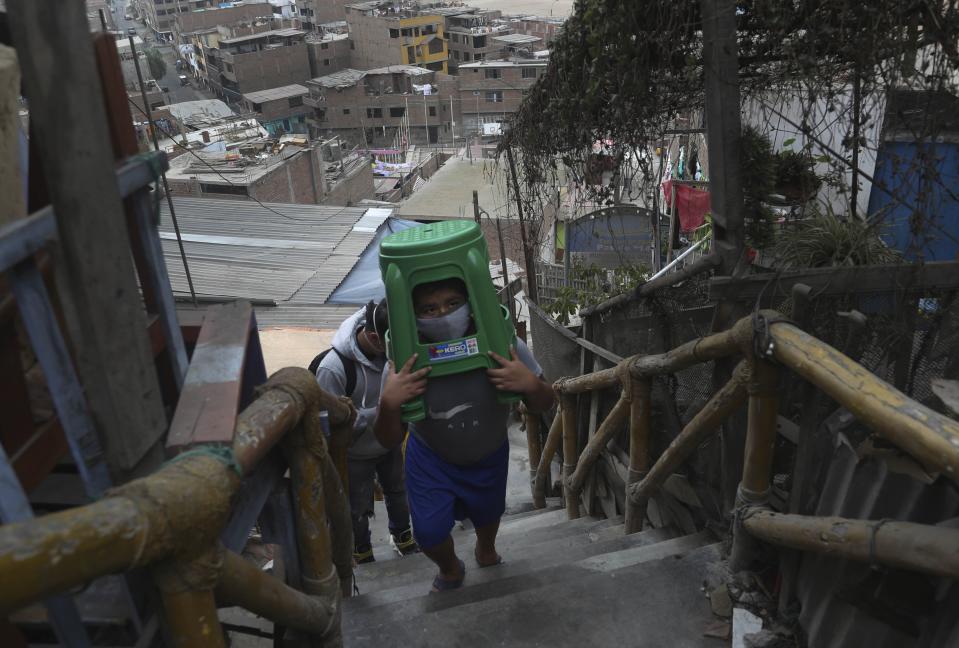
[{"x": 464, "y": 422}]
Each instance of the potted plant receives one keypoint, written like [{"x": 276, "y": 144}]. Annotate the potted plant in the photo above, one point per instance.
[{"x": 795, "y": 178}]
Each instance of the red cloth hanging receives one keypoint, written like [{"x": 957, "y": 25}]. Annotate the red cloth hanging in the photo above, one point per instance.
[{"x": 692, "y": 205}]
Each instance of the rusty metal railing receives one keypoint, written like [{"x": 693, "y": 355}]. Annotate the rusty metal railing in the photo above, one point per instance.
[
  {"x": 768, "y": 344},
  {"x": 171, "y": 521}
]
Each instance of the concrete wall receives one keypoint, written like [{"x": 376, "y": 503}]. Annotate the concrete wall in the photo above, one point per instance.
[
  {"x": 269, "y": 68},
  {"x": 327, "y": 57},
  {"x": 372, "y": 45},
  {"x": 352, "y": 189}
]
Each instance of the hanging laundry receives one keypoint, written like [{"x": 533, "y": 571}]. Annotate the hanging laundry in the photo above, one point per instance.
[{"x": 692, "y": 204}]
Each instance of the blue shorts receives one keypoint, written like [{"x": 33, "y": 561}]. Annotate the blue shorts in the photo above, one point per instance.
[{"x": 440, "y": 493}]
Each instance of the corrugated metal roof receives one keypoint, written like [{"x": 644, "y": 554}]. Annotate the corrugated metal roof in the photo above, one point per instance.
[
  {"x": 287, "y": 31},
  {"x": 272, "y": 94},
  {"x": 516, "y": 39},
  {"x": 286, "y": 254}
]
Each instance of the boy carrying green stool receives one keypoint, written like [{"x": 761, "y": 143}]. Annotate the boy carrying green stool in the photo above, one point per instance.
[{"x": 453, "y": 386}]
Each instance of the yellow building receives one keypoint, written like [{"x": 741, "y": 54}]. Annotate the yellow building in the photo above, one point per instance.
[{"x": 383, "y": 35}]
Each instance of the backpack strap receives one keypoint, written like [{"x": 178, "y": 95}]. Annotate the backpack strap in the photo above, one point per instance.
[{"x": 349, "y": 368}]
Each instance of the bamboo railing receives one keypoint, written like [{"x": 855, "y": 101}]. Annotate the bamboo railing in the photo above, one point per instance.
[
  {"x": 171, "y": 522},
  {"x": 768, "y": 344}
]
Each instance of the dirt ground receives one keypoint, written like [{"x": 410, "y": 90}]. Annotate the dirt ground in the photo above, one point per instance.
[
  {"x": 557, "y": 8},
  {"x": 292, "y": 347}
]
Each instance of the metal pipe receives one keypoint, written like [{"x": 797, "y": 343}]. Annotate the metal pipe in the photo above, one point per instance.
[
  {"x": 905, "y": 545},
  {"x": 928, "y": 436},
  {"x": 723, "y": 403},
  {"x": 640, "y": 417},
  {"x": 610, "y": 426},
  {"x": 568, "y": 411},
  {"x": 544, "y": 467},
  {"x": 672, "y": 264},
  {"x": 242, "y": 583}
]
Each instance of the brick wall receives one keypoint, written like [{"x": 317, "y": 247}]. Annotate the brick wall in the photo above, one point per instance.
[{"x": 292, "y": 182}]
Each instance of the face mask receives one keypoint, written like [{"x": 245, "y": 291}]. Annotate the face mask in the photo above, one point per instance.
[{"x": 448, "y": 327}]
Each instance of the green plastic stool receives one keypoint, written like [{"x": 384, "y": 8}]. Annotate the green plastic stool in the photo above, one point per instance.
[{"x": 443, "y": 250}]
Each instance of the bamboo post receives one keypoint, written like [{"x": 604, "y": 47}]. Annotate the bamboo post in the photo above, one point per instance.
[
  {"x": 610, "y": 426},
  {"x": 242, "y": 583},
  {"x": 640, "y": 415},
  {"x": 758, "y": 460},
  {"x": 533, "y": 446},
  {"x": 189, "y": 607},
  {"x": 544, "y": 467},
  {"x": 723, "y": 403},
  {"x": 907, "y": 545},
  {"x": 930, "y": 437},
  {"x": 568, "y": 410}
]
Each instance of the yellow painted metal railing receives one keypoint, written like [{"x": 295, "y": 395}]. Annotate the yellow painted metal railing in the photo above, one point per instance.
[
  {"x": 768, "y": 343},
  {"x": 171, "y": 521}
]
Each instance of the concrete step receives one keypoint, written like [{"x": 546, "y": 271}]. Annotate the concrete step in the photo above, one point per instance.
[
  {"x": 371, "y": 575},
  {"x": 525, "y": 571},
  {"x": 645, "y": 596}
]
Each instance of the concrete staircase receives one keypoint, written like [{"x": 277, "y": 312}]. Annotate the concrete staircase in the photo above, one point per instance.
[{"x": 563, "y": 583}]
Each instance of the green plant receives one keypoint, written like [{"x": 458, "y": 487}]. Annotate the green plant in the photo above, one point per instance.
[
  {"x": 828, "y": 241},
  {"x": 156, "y": 63},
  {"x": 758, "y": 163},
  {"x": 795, "y": 177},
  {"x": 590, "y": 285}
]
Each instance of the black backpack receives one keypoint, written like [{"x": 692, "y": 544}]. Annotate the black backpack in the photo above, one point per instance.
[{"x": 349, "y": 367}]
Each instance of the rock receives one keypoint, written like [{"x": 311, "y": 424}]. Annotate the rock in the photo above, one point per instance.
[
  {"x": 744, "y": 623},
  {"x": 765, "y": 639},
  {"x": 720, "y": 602}
]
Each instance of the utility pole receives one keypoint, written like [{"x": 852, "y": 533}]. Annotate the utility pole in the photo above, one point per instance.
[
  {"x": 452, "y": 124},
  {"x": 426, "y": 120},
  {"x": 723, "y": 130},
  {"x": 527, "y": 252}
]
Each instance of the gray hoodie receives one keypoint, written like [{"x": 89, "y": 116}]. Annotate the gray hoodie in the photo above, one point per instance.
[{"x": 366, "y": 396}]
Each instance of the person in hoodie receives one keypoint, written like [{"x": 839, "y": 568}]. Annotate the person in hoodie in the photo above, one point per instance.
[{"x": 361, "y": 339}]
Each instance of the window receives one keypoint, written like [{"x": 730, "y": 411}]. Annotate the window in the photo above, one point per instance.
[
  {"x": 407, "y": 32},
  {"x": 346, "y": 111},
  {"x": 495, "y": 96},
  {"x": 394, "y": 33},
  {"x": 398, "y": 111},
  {"x": 432, "y": 111},
  {"x": 479, "y": 56},
  {"x": 324, "y": 46},
  {"x": 529, "y": 73},
  {"x": 429, "y": 29},
  {"x": 436, "y": 46},
  {"x": 479, "y": 41},
  {"x": 466, "y": 57},
  {"x": 456, "y": 55},
  {"x": 410, "y": 54},
  {"x": 374, "y": 113},
  {"x": 295, "y": 101},
  {"x": 326, "y": 62},
  {"x": 257, "y": 107},
  {"x": 455, "y": 37},
  {"x": 416, "y": 31},
  {"x": 493, "y": 73},
  {"x": 352, "y": 45},
  {"x": 235, "y": 190}
]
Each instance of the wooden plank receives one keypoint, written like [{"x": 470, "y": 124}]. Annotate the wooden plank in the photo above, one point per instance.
[
  {"x": 25, "y": 237},
  {"x": 210, "y": 398},
  {"x": 609, "y": 356},
  {"x": 51, "y": 350},
  {"x": 36, "y": 458},
  {"x": 98, "y": 290},
  {"x": 940, "y": 275},
  {"x": 249, "y": 502}
]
